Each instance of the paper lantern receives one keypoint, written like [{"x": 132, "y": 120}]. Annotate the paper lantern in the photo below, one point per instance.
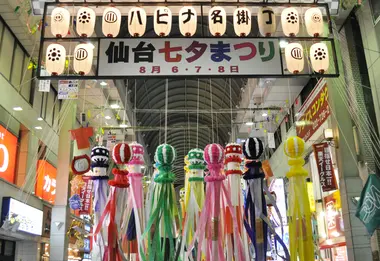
[
  {"x": 217, "y": 21},
  {"x": 60, "y": 22},
  {"x": 121, "y": 153},
  {"x": 55, "y": 59},
  {"x": 242, "y": 21},
  {"x": 162, "y": 21},
  {"x": 314, "y": 22},
  {"x": 253, "y": 148},
  {"x": 187, "y": 21},
  {"x": 267, "y": 21},
  {"x": 294, "y": 57},
  {"x": 214, "y": 154},
  {"x": 290, "y": 21},
  {"x": 111, "y": 22},
  {"x": 85, "y": 21},
  {"x": 136, "y": 21},
  {"x": 319, "y": 57},
  {"x": 83, "y": 55}
]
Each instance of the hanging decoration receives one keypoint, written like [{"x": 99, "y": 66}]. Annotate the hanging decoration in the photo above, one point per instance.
[
  {"x": 242, "y": 21},
  {"x": 300, "y": 232},
  {"x": 136, "y": 21},
  {"x": 164, "y": 219},
  {"x": 294, "y": 58},
  {"x": 55, "y": 59},
  {"x": 85, "y": 22},
  {"x": 83, "y": 55},
  {"x": 60, "y": 22},
  {"x": 314, "y": 22},
  {"x": 187, "y": 21},
  {"x": 319, "y": 57},
  {"x": 75, "y": 202},
  {"x": 80, "y": 164},
  {"x": 111, "y": 22},
  {"x": 162, "y": 21},
  {"x": 217, "y": 21},
  {"x": 267, "y": 21},
  {"x": 290, "y": 21}
]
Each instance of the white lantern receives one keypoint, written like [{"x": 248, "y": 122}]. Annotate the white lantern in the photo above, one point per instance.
[
  {"x": 187, "y": 21},
  {"x": 217, "y": 21},
  {"x": 60, "y": 22},
  {"x": 319, "y": 57},
  {"x": 83, "y": 55},
  {"x": 290, "y": 21},
  {"x": 314, "y": 22},
  {"x": 294, "y": 58},
  {"x": 85, "y": 21},
  {"x": 162, "y": 21},
  {"x": 267, "y": 21},
  {"x": 111, "y": 22},
  {"x": 136, "y": 21},
  {"x": 55, "y": 59},
  {"x": 242, "y": 21}
]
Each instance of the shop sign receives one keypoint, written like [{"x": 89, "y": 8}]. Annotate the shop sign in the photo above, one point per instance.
[
  {"x": 189, "y": 57},
  {"x": 341, "y": 254},
  {"x": 325, "y": 167},
  {"x": 314, "y": 112},
  {"x": 86, "y": 196},
  {"x": 333, "y": 217},
  {"x": 68, "y": 90},
  {"x": 46, "y": 181},
  {"x": 8, "y": 151}
]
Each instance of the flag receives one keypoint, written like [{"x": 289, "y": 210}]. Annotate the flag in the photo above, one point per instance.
[{"x": 368, "y": 210}]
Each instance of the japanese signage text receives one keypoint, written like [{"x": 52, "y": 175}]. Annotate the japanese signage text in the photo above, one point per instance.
[{"x": 325, "y": 167}]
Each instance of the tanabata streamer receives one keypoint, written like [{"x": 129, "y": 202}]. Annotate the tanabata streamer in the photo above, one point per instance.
[
  {"x": 121, "y": 154},
  {"x": 164, "y": 220},
  {"x": 300, "y": 226}
]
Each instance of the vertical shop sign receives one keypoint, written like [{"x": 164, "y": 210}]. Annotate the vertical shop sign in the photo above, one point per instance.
[
  {"x": 44, "y": 85},
  {"x": 331, "y": 216},
  {"x": 85, "y": 195},
  {"x": 8, "y": 151},
  {"x": 46, "y": 181},
  {"x": 325, "y": 167},
  {"x": 111, "y": 141},
  {"x": 313, "y": 112}
]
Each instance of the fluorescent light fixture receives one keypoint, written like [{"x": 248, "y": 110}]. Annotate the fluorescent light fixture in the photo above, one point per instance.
[
  {"x": 38, "y": 128},
  {"x": 123, "y": 125},
  {"x": 103, "y": 83},
  {"x": 249, "y": 123},
  {"x": 17, "y": 108},
  {"x": 115, "y": 106},
  {"x": 107, "y": 117},
  {"x": 283, "y": 43},
  {"x": 40, "y": 119},
  {"x": 264, "y": 114}
]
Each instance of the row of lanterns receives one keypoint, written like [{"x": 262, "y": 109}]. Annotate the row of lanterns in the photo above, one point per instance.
[
  {"x": 217, "y": 20},
  {"x": 83, "y": 57}
]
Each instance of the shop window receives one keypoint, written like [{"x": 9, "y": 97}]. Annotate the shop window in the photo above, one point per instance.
[
  {"x": 27, "y": 82},
  {"x": 7, "y": 250},
  {"x": 6, "y": 53},
  {"x": 375, "y": 8},
  {"x": 17, "y": 67}
]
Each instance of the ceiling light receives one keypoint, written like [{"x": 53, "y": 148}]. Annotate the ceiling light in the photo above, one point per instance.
[
  {"x": 40, "y": 119},
  {"x": 249, "y": 123},
  {"x": 283, "y": 43},
  {"x": 123, "y": 125},
  {"x": 38, "y": 128},
  {"x": 264, "y": 114},
  {"x": 18, "y": 108},
  {"x": 107, "y": 117},
  {"x": 103, "y": 83},
  {"x": 115, "y": 106}
]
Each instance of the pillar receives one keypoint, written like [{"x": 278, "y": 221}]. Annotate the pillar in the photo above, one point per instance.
[{"x": 61, "y": 211}]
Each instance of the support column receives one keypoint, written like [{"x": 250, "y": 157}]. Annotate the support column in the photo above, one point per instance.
[{"x": 61, "y": 211}]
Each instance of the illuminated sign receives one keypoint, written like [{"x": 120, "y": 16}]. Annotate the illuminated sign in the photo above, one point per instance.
[
  {"x": 8, "y": 151},
  {"x": 46, "y": 181},
  {"x": 22, "y": 216}
]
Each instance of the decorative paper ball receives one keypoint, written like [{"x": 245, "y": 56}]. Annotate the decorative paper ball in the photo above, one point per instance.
[
  {"x": 121, "y": 153},
  {"x": 165, "y": 154},
  {"x": 75, "y": 202},
  {"x": 182, "y": 193},
  {"x": 214, "y": 154},
  {"x": 233, "y": 149},
  {"x": 253, "y": 148},
  {"x": 195, "y": 156},
  {"x": 137, "y": 153},
  {"x": 100, "y": 154},
  {"x": 294, "y": 147},
  {"x": 80, "y": 164}
]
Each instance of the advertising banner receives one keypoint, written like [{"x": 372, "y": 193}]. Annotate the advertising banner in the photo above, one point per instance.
[
  {"x": 189, "y": 57},
  {"x": 325, "y": 167},
  {"x": 46, "y": 181},
  {"x": 8, "y": 152},
  {"x": 86, "y": 196},
  {"x": 313, "y": 112}
]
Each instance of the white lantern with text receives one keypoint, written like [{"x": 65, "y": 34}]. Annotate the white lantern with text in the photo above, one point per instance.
[
  {"x": 217, "y": 21},
  {"x": 55, "y": 59},
  {"x": 290, "y": 21},
  {"x": 162, "y": 21},
  {"x": 187, "y": 21},
  {"x": 111, "y": 22},
  {"x": 242, "y": 21},
  {"x": 314, "y": 22},
  {"x": 294, "y": 58},
  {"x": 319, "y": 57},
  {"x": 85, "y": 21},
  {"x": 267, "y": 21},
  {"x": 83, "y": 55},
  {"x": 136, "y": 21},
  {"x": 60, "y": 22}
]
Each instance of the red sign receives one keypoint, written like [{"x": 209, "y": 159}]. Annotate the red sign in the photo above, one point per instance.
[
  {"x": 314, "y": 112},
  {"x": 86, "y": 196},
  {"x": 325, "y": 167},
  {"x": 46, "y": 181},
  {"x": 8, "y": 150}
]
